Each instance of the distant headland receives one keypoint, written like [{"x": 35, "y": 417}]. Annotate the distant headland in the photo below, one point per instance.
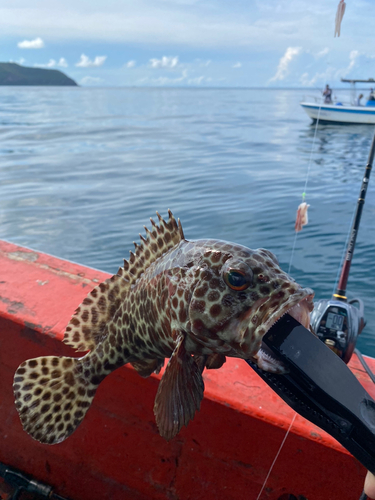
[{"x": 14, "y": 74}]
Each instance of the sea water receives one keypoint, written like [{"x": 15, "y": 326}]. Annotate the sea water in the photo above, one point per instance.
[{"x": 83, "y": 169}]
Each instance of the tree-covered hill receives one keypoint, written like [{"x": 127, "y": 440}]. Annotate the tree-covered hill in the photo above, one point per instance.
[{"x": 14, "y": 74}]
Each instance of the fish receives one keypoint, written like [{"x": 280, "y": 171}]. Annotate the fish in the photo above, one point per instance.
[
  {"x": 302, "y": 217},
  {"x": 339, "y": 15},
  {"x": 194, "y": 302}
]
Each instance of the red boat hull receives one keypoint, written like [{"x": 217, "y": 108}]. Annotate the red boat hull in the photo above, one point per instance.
[{"x": 117, "y": 453}]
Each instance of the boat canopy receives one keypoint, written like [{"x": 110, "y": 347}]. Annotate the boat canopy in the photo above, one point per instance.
[{"x": 370, "y": 80}]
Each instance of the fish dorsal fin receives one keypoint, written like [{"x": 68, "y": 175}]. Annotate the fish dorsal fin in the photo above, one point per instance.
[
  {"x": 87, "y": 327},
  {"x": 157, "y": 242}
]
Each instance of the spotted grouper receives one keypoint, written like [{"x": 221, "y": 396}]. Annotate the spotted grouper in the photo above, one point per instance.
[{"x": 194, "y": 302}]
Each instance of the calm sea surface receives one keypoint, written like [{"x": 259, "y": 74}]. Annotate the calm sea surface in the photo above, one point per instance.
[{"x": 82, "y": 170}]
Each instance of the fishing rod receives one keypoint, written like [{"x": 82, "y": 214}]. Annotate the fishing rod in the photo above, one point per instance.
[
  {"x": 338, "y": 321},
  {"x": 316, "y": 383}
]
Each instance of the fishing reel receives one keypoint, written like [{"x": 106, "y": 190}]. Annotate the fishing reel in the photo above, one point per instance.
[{"x": 338, "y": 324}]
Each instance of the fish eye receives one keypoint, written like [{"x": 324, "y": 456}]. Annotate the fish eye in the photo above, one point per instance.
[{"x": 237, "y": 279}]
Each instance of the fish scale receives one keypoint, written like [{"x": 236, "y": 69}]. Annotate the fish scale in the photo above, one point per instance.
[{"x": 194, "y": 302}]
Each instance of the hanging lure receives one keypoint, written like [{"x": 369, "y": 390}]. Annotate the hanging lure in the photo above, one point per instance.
[
  {"x": 339, "y": 15},
  {"x": 302, "y": 218}
]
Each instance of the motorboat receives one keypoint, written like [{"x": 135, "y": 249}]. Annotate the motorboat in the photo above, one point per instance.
[{"x": 340, "y": 111}]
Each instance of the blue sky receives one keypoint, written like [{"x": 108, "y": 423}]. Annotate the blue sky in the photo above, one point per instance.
[{"x": 203, "y": 43}]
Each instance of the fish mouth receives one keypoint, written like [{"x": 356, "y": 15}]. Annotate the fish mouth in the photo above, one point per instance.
[{"x": 299, "y": 305}]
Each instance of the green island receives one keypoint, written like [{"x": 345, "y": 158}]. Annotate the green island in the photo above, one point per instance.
[{"x": 14, "y": 74}]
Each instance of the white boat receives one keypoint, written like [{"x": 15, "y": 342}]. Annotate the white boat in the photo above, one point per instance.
[{"x": 341, "y": 112}]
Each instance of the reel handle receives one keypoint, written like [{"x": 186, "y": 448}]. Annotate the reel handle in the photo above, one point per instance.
[{"x": 361, "y": 308}]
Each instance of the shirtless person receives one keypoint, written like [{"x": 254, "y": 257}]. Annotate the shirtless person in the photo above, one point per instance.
[{"x": 327, "y": 95}]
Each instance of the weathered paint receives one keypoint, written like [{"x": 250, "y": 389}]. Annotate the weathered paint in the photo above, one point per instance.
[{"x": 117, "y": 453}]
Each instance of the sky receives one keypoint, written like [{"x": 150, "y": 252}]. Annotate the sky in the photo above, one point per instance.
[{"x": 191, "y": 43}]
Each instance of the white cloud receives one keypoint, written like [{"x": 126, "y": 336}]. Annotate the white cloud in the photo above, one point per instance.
[
  {"x": 146, "y": 22},
  {"x": 254, "y": 32},
  {"x": 164, "y": 80},
  {"x": 253, "y": 26},
  {"x": 85, "y": 62},
  {"x": 20, "y": 61},
  {"x": 322, "y": 53},
  {"x": 62, "y": 63},
  {"x": 130, "y": 64},
  {"x": 52, "y": 63},
  {"x": 237, "y": 65},
  {"x": 197, "y": 80},
  {"x": 304, "y": 79},
  {"x": 31, "y": 44},
  {"x": 183, "y": 78},
  {"x": 204, "y": 64},
  {"x": 287, "y": 58},
  {"x": 91, "y": 80},
  {"x": 317, "y": 79},
  {"x": 328, "y": 75},
  {"x": 164, "y": 62},
  {"x": 352, "y": 56}
]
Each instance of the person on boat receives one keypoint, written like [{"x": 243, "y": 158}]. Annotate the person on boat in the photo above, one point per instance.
[
  {"x": 358, "y": 103},
  {"x": 371, "y": 98},
  {"x": 327, "y": 92}
]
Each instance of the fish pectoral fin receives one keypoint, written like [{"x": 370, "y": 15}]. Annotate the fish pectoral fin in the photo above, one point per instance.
[
  {"x": 212, "y": 361},
  {"x": 180, "y": 392},
  {"x": 215, "y": 361},
  {"x": 200, "y": 360}
]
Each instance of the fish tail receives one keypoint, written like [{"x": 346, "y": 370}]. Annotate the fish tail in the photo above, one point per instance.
[{"x": 53, "y": 394}]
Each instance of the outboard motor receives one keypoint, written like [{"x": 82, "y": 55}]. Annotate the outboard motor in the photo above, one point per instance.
[{"x": 338, "y": 322}]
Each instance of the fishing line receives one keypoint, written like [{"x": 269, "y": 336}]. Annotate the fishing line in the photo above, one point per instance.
[
  {"x": 306, "y": 181},
  {"x": 292, "y": 255},
  {"x": 339, "y": 15},
  {"x": 311, "y": 153},
  {"x": 277, "y": 454},
  {"x": 290, "y": 265}
]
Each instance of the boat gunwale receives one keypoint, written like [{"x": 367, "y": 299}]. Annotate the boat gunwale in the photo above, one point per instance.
[{"x": 340, "y": 109}]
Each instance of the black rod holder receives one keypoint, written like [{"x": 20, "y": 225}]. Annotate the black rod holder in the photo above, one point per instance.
[{"x": 319, "y": 386}]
